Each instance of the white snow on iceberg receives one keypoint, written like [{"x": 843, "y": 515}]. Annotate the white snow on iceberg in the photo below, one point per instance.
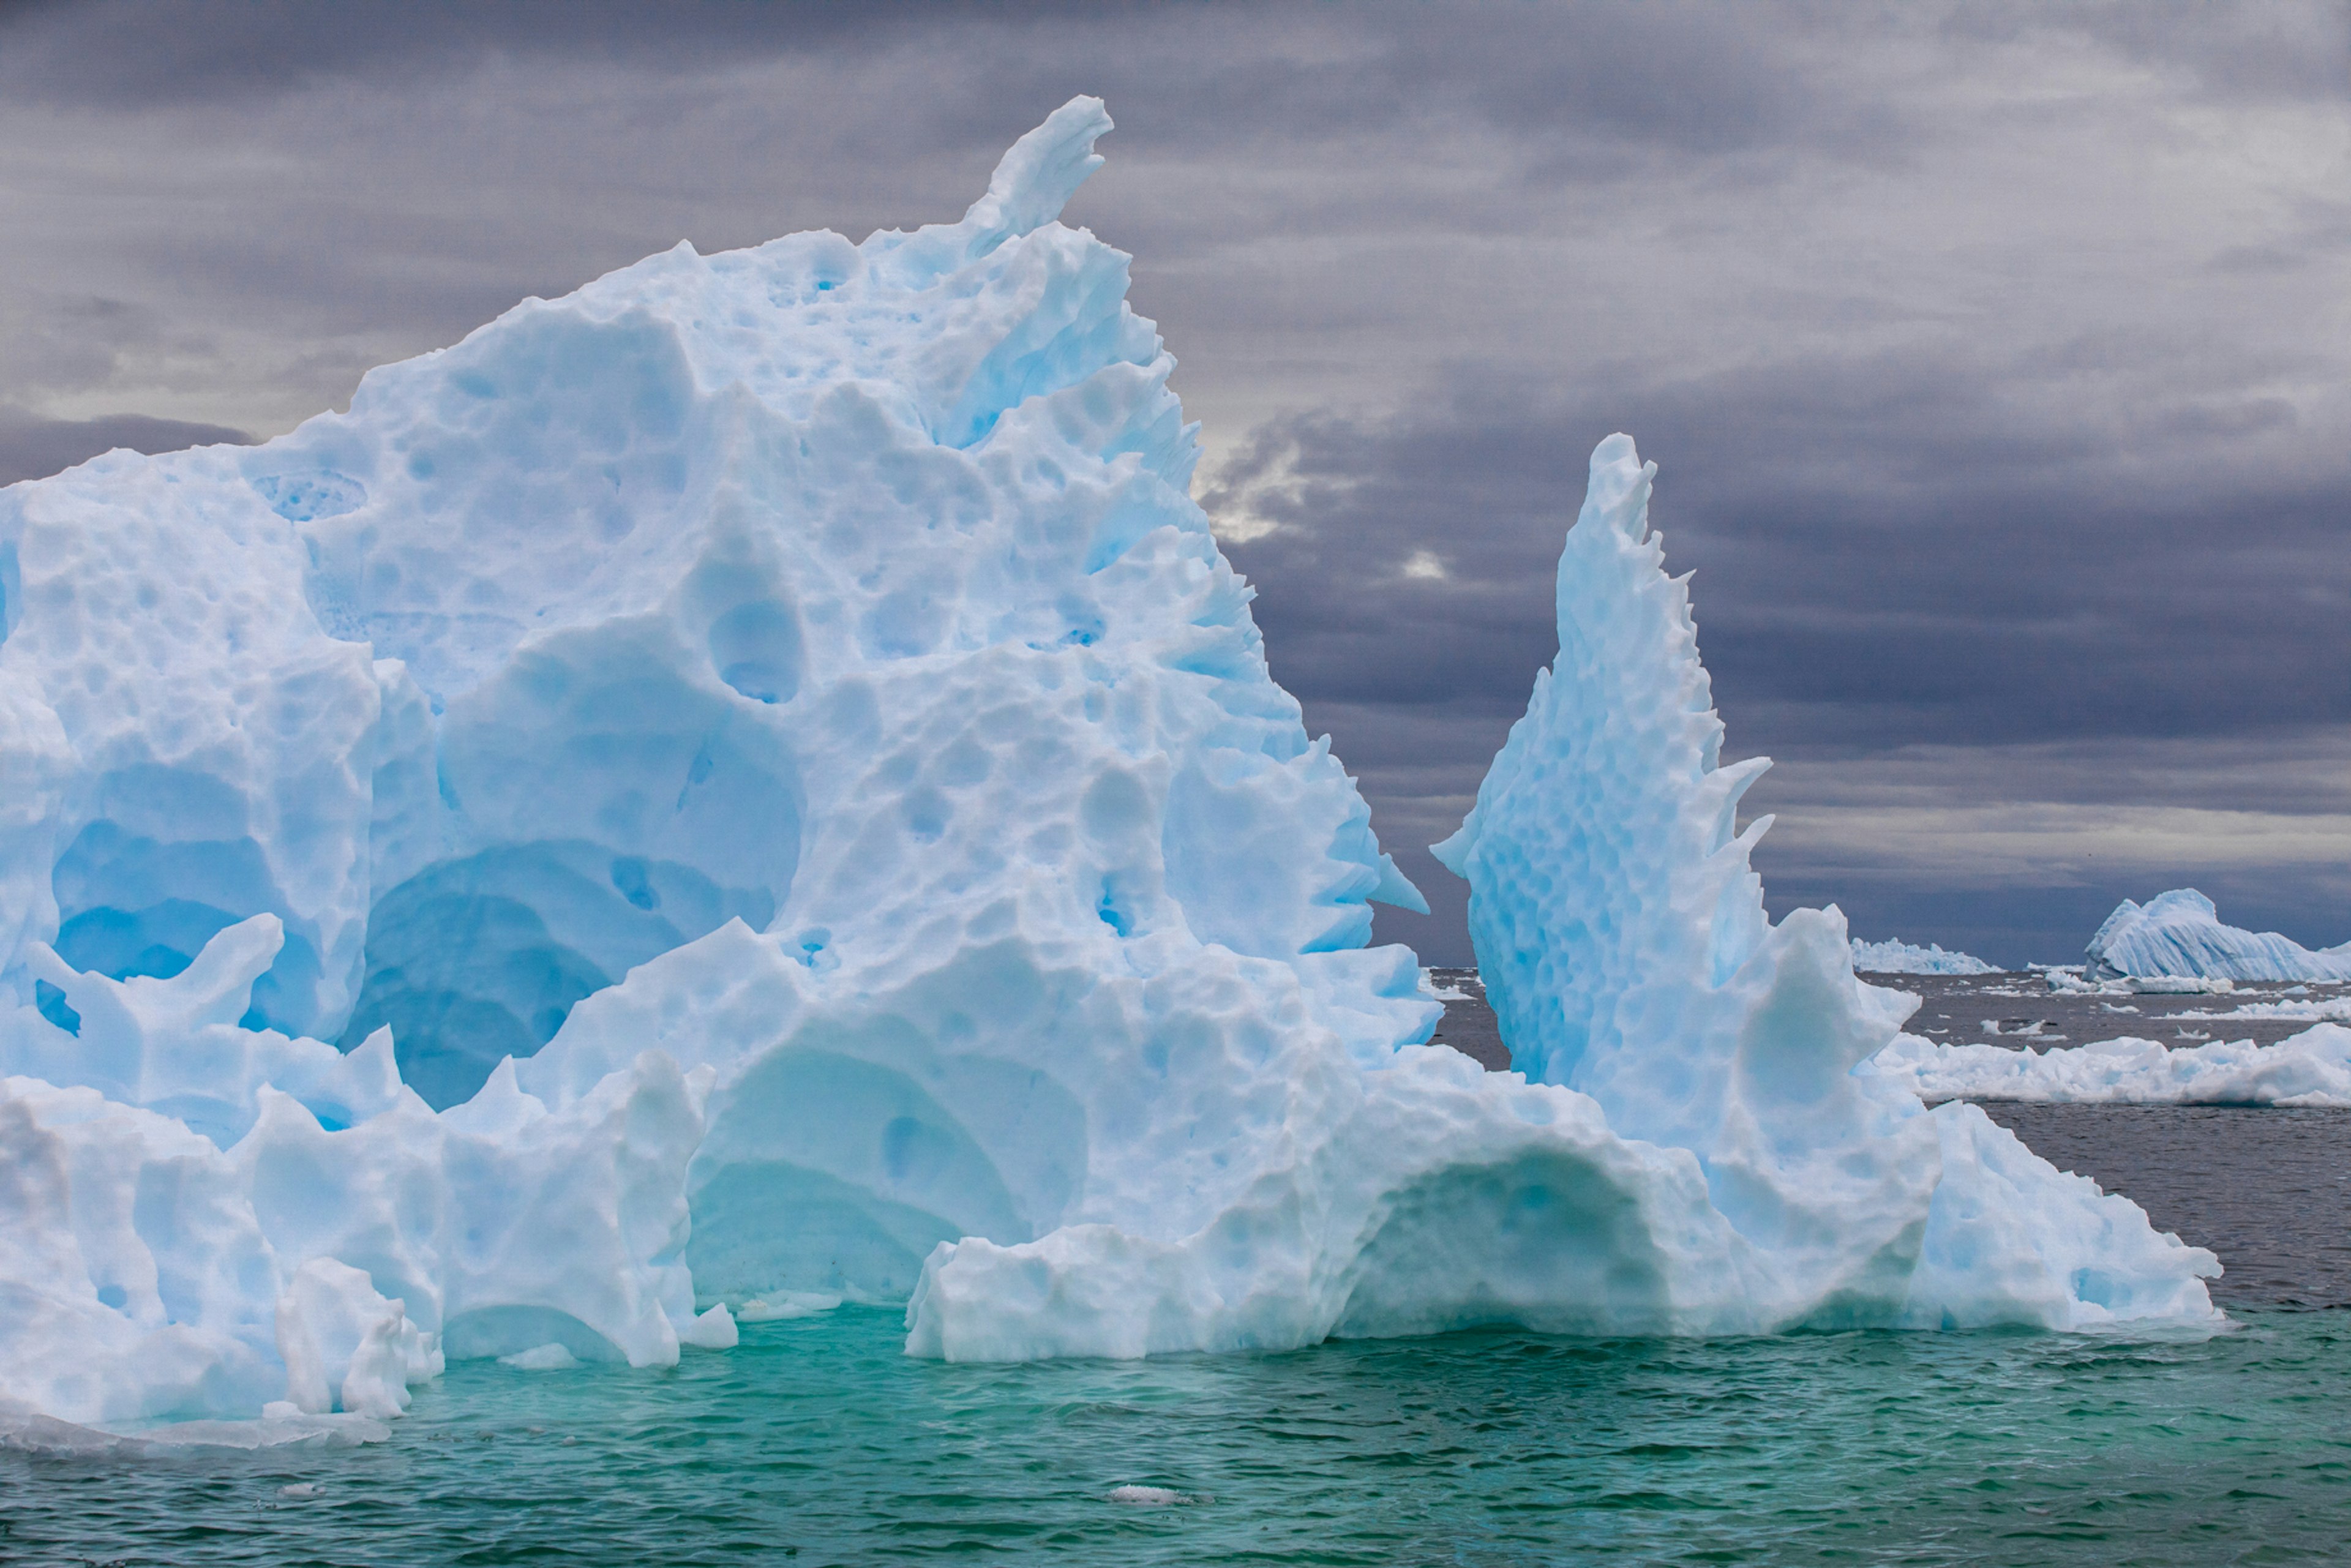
[
  {"x": 752, "y": 784},
  {"x": 1900, "y": 957},
  {"x": 2180, "y": 934}
]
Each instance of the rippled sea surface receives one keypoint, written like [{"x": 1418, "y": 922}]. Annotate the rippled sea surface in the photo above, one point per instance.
[{"x": 816, "y": 1441}]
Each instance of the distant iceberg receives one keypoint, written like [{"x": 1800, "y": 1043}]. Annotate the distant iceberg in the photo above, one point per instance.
[
  {"x": 752, "y": 784},
  {"x": 2312, "y": 1069},
  {"x": 2180, "y": 934},
  {"x": 1899, "y": 957}
]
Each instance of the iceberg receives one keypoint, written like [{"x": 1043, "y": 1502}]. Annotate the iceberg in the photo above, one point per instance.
[
  {"x": 1900, "y": 957},
  {"x": 1622, "y": 941},
  {"x": 2309, "y": 1069},
  {"x": 752, "y": 786},
  {"x": 2178, "y": 935}
]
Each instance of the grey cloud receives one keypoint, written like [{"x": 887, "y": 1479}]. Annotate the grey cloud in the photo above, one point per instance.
[
  {"x": 33, "y": 448},
  {"x": 1883, "y": 555},
  {"x": 2235, "y": 50},
  {"x": 1686, "y": 78},
  {"x": 2043, "y": 619}
]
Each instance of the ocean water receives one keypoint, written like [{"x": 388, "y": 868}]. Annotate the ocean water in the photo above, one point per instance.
[
  {"x": 2021, "y": 1009},
  {"x": 817, "y": 1441}
]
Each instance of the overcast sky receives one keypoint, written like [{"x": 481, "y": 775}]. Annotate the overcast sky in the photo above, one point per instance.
[{"x": 1993, "y": 357}]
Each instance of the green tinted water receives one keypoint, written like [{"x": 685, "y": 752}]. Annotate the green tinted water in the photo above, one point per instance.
[{"x": 816, "y": 1442}]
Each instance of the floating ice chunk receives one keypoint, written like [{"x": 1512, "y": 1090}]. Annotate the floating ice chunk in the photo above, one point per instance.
[
  {"x": 2313, "y": 1068},
  {"x": 542, "y": 1358},
  {"x": 783, "y": 1304},
  {"x": 1900, "y": 957},
  {"x": 711, "y": 1330},
  {"x": 2178, "y": 935}
]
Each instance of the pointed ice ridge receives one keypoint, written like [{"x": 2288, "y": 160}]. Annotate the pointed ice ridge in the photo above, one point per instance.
[
  {"x": 1623, "y": 942},
  {"x": 1601, "y": 850},
  {"x": 1038, "y": 175}
]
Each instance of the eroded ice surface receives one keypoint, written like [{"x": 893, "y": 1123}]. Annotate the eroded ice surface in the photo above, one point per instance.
[
  {"x": 2180, "y": 934},
  {"x": 820, "y": 637},
  {"x": 750, "y": 786},
  {"x": 1899, "y": 957}
]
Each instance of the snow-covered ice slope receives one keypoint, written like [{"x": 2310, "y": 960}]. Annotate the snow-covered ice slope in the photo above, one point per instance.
[
  {"x": 1900, "y": 957},
  {"x": 2179, "y": 932},
  {"x": 2313, "y": 1068},
  {"x": 752, "y": 783},
  {"x": 1623, "y": 942}
]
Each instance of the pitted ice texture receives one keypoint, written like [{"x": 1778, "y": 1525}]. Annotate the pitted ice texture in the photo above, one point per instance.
[
  {"x": 823, "y": 632},
  {"x": 753, "y": 783},
  {"x": 2180, "y": 933}
]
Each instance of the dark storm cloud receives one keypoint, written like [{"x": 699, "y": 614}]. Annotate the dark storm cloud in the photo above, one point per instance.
[
  {"x": 1686, "y": 78},
  {"x": 1886, "y": 557},
  {"x": 128, "y": 54},
  {"x": 1889, "y": 556},
  {"x": 32, "y": 449}
]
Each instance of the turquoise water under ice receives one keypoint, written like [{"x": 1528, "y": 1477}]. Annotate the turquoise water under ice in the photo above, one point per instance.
[{"x": 817, "y": 1441}]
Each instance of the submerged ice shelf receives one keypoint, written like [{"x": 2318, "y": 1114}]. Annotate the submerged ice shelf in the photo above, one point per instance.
[{"x": 752, "y": 784}]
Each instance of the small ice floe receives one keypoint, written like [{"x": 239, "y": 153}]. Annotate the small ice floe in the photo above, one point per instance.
[
  {"x": 2112, "y": 1007},
  {"x": 542, "y": 1358},
  {"x": 2178, "y": 985},
  {"x": 301, "y": 1492},
  {"x": 712, "y": 1329},
  {"x": 2019, "y": 1029},
  {"x": 2195, "y": 1034},
  {"x": 1134, "y": 1496},
  {"x": 1450, "y": 986},
  {"x": 781, "y": 1304}
]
